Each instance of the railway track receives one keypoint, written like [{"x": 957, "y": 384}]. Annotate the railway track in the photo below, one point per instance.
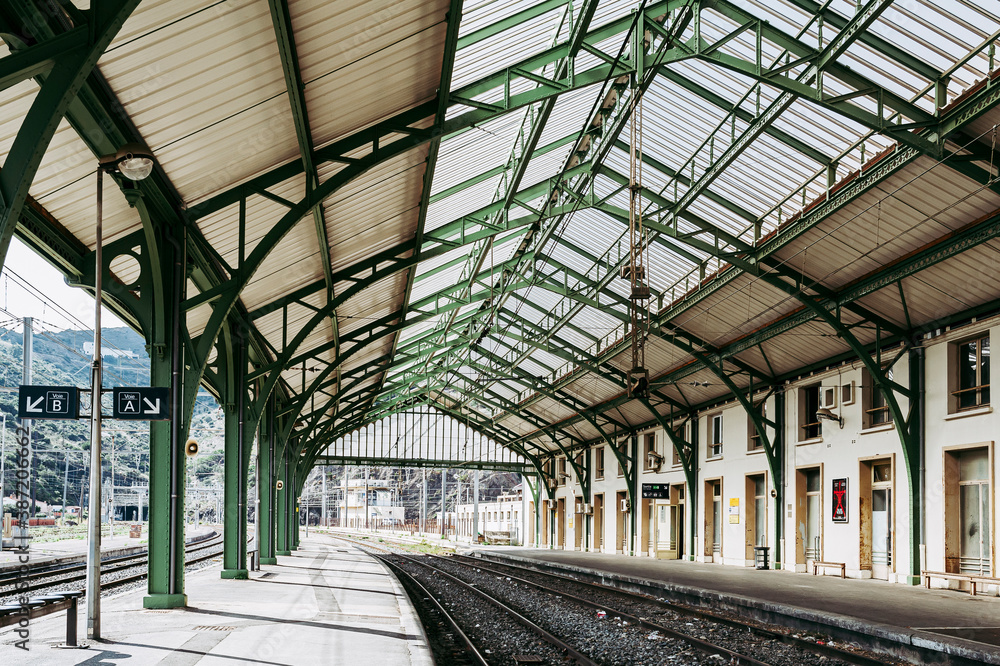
[
  {"x": 718, "y": 637},
  {"x": 49, "y": 578}
]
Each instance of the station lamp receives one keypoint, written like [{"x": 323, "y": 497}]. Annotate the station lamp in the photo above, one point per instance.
[
  {"x": 135, "y": 162},
  {"x": 825, "y": 414}
]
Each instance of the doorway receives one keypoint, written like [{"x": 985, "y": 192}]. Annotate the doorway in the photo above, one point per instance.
[
  {"x": 531, "y": 524},
  {"x": 877, "y": 510},
  {"x": 808, "y": 516},
  {"x": 670, "y": 525},
  {"x": 621, "y": 531},
  {"x": 713, "y": 520},
  {"x": 968, "y": 497},
  {"x": 578, "y": 521},
  {"x": 647, "y": 518},
  {"x": 561, "y": 522},
  {"x": 756, "y": 514}
]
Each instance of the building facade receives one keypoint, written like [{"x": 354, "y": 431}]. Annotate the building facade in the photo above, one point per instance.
[{"x": 830, "y": 480}]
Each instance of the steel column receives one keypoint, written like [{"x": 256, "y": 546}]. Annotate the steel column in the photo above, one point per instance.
[
  {"x": 282, "y": 541},
  {"x": 235, "y": 489},
  {"x": 265, "y": 486},
  {"x": 166, "y": 438}
]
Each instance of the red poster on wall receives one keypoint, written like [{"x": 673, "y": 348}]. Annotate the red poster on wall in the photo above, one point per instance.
[{"x": 839, "y": 500}]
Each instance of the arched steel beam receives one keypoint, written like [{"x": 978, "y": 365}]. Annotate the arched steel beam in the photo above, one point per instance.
[{"x": 60, "y": 86}]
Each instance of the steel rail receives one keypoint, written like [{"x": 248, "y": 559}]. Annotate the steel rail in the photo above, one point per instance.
[
  {"x": 551, "y": 638},
  {"x": 822, "y": 650},
  {"x": 562, "y": 645},
  {"x": 9, "y": 577},
  {"x": 700, "y": 645},
  {"x": 60, "y": 580},
  {"x": 407, "y": 579}
]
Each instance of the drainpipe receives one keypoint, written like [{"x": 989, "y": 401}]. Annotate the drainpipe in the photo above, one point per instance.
[
  {"x": 921, "y": 358},
  {"x": 176, "y": 401}
]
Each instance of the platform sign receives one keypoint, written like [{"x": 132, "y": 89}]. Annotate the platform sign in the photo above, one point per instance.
[
  {"x": 840, "y": 500},
  {"x": 48, "y": 402},
  {"x": 141, "y": 403},
  {"x": 656, "y": 491}
]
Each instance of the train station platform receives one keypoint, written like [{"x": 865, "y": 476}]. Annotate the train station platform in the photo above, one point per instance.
[
  {"x": 912, "y": 615},
  {"x": 326, "y": 603}
]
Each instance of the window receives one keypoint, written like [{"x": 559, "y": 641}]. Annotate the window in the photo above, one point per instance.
[
  {"x": 876, "y": 409},
  {"x": 828, "y": 397},
  {"x": 679, "y": 432},
  {"x": 599, "y": 462},
  {"x": 809, "y": 426},
  {"x": 649, "y": 446},
  {"x": 561, "y": 471},
  {"x": 715, "y": 435},
  {"x": 847, "y": 394},
  {"x": 973, "y": 374},
  {"x": 754, "y": 442}
]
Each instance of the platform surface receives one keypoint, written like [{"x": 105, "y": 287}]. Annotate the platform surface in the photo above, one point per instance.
[
  {"x": 327, "y": 603},
  {"x": 944, "y": 612}
]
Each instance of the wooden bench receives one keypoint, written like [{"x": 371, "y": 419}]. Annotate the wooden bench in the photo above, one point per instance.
[
  {"x": 972, "y": 579},
  {"x": 830, "y": 565}
]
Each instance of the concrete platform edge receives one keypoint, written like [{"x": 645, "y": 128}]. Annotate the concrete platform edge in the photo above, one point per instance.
[
  {"x": 420, "y": 652},
  {"x": 957, "y": 647}
]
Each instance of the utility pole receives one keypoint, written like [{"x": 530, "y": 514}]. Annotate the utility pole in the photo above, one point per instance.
[
  {"x": 65, "y": 489},
  {"x": 366, "y": 497},
  {"x": 3, "y": 447},
  {"x": 323, "y": 511},
  {"x": 423, "y": 505},
  {"x": 475, "y": 507},
  {"x": 26, "y": 423},
  {"x": 346, "y": 474},
  {"x": 444, "y": 495}
]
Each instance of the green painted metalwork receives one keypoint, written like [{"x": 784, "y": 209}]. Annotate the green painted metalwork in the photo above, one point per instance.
[{"x": 59, "y": 88}]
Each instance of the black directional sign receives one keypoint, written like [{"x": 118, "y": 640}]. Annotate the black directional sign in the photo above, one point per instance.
[
  {"x": 48, "y": 402},
  {"x": 142, "y": 403},
  {"x": 656, "y": 491}
]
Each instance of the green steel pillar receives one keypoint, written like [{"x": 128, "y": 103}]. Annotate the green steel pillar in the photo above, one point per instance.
[
  {"x": 167, "y": 438},
  {"x": 234, "y": 554},
  {"x": 915, "y": 462},
  {"x": 283, "y": 542},
  {"x": 265, "y": 486},
  {"x": 293, "y": 511},
  {"x": 691, "y": 476},
  {"x": 633, "y": 494},
  {"x": 778, "y": 444}
]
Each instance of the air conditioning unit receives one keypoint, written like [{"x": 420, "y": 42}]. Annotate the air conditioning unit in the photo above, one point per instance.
[
  {"x": 552, "y": 483},
  {"x": 550, "y": 503},
  {"x": 626, "y": 506},
  {"x": 587, "y": 509}
]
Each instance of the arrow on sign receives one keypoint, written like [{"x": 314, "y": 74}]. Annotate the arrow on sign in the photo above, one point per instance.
[
  {"x": 34, "y": 406},
  {"x": 153, "y": 408}
]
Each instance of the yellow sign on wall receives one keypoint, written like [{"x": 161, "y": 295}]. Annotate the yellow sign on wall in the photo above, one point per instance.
[{"x": 734, "y": 510}]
